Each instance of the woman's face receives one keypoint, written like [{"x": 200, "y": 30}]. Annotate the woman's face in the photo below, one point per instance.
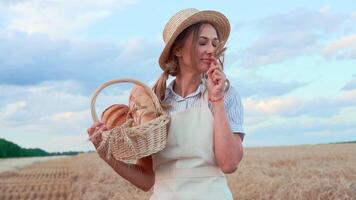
[{"x": 207, "y": 41}]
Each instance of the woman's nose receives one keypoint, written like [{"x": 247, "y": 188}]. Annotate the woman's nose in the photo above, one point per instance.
[{"x": 210, "y": 50}]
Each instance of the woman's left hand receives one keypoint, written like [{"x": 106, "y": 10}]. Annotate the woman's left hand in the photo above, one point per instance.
[{"x": 216, "y": 81}]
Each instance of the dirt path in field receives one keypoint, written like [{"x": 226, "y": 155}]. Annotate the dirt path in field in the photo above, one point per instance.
[{"x": 45, "y": 180}]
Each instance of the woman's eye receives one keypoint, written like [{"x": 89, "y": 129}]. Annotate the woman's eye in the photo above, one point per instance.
[{"x": 202, "y": 42}]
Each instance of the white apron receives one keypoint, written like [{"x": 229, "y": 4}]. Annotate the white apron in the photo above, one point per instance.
[{"x": 186, "y": 168}]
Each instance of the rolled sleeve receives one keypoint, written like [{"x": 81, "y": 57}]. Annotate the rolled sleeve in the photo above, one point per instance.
[{"x": 235, "y": 112}]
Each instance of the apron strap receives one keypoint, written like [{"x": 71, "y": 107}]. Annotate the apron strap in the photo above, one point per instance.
[{"x": 204, "y": 98}]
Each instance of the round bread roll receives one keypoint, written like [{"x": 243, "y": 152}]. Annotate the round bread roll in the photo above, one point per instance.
[
  {"x": 115, "y": 115},
  {"x": 141, "y": 105}
]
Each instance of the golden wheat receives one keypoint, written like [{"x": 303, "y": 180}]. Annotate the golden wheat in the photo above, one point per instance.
[
  {"x": 293, "y": 172},
  {"x": 297, "y": 172}
]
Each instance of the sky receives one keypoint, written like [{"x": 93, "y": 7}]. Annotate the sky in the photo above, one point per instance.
[{"x": 292, "y": 62}]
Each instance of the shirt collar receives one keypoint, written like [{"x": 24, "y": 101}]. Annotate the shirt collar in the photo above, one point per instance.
[{"x": 170, "y": 92}]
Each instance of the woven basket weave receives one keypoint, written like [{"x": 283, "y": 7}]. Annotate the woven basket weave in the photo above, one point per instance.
[{"x": 129, "y": 143}]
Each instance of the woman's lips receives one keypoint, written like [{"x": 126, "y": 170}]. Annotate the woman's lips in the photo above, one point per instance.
[{"x": 207, "y": 60}]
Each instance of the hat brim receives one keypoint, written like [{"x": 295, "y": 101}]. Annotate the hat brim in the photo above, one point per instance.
[{"x": 218, "y": 20}]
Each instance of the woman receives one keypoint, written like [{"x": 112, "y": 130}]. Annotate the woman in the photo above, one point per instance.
[{"x": 205, "y": 133}]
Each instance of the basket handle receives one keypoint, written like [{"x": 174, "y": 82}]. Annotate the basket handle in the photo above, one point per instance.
[{"x": 126, "y": 80}]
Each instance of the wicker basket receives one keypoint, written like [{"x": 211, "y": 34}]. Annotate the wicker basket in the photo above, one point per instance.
[{"x": 129, "y": 143}]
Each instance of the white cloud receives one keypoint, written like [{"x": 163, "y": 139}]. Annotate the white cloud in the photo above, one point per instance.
[
  {"x": 59, "y": 18},
  {"x": 321, "y": 20},
  {"x": 273, "y": 106},
  {"x": 56, "y": 113},
  {"x": 55, "y": 102},
  {"x": 37, "y": 101},
  {"x": 342, "y": 123},
  {"x": 287, "y": 106},
  {"x": 293, "y": 34},
  {"x": 351, "y": 84},
  {"x": 250, "y": 84},
  {"x": 346, "y": 115},
  {"x": 33, "y": 58},
  {"x": 324, "y": 133},
  {"x": 70, "y": 143},
  {"x": 67, "y": 117},
  {"x": 277, "y": 47},
  {"x": 325, "y": 9},
  {"x": 353, "y": 15},
  {"x": 138, "y": 48},
  {"x": 348, "y": 97},
  {"x": 12, "y": 108},
  {"x": 344, "y": 48}
]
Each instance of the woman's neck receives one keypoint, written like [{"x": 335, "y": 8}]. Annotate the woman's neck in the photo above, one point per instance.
[{"x": 186, "y": 83}]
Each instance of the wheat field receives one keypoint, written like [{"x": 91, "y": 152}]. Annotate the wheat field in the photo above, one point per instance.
[{"x": 293, "y": 172}]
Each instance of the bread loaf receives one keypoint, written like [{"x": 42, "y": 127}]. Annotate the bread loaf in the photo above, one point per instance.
[
  {"x": 115, "y": 115},
  {"x": 141, "y": 105}
]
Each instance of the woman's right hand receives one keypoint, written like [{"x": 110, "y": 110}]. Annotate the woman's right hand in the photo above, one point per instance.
[
  {"x": 94, "y": 133},
  {"x": 140, "y": 174}
]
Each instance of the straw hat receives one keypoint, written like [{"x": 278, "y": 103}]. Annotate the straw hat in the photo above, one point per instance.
[{"x": 187, "y": 17}]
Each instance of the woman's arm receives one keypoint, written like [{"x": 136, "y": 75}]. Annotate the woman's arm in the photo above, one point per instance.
[
  {"x": 140, "y": 174},
  {"x": 227, "y": 145}
]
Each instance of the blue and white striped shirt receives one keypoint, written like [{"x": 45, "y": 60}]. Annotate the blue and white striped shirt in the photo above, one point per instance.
[{"x": 232, "y": 103}]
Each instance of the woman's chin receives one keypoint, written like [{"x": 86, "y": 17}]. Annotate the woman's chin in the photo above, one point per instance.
[{"x": 205, "y": 67}]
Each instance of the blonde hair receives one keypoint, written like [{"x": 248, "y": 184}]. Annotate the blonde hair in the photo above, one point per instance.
[{"x": 172, "y": 65}]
